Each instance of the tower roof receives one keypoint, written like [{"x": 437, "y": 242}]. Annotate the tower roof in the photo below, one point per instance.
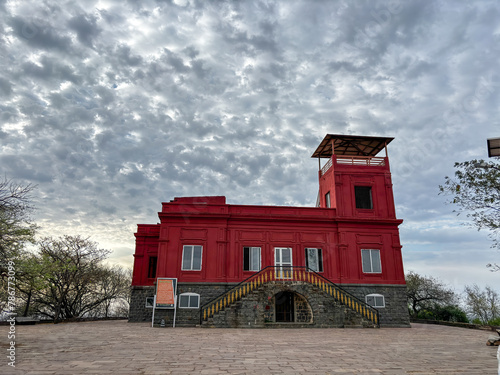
[{"x": 351, "y": 145}]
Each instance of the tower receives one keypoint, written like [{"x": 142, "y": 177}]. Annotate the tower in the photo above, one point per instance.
[{"x": 355, "y": 181}]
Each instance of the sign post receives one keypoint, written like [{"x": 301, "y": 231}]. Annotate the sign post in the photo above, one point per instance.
[{"x": 165, "y": 297}]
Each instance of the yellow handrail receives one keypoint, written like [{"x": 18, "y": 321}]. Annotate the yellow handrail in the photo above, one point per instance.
[{"x": 287, "y": 274}]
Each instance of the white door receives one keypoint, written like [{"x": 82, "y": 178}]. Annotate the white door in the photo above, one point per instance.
[{"x": 283, "y": 262}]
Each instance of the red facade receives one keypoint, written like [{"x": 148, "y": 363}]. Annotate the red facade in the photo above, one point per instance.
[{"x": 357, "y": 228}]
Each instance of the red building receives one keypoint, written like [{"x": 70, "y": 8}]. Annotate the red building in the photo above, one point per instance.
[{"x": 336, "y": 264}]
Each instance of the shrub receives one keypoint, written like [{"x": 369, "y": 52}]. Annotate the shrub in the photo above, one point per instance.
[{"x": 494, "y": 322}]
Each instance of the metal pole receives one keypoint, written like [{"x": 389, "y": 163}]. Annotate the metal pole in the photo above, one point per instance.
[
  {"x": 175, "y": 309},
  {"x": 153, "y": 318}
]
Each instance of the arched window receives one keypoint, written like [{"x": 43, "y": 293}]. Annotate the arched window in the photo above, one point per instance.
[
  {"x": 375, "y": 300},
  {"x": 189, "y": 301}
]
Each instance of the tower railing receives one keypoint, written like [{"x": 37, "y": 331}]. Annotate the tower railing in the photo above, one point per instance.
[
  {"x": 288, "y": 274},
  {"x": 361, "y": 160},
  {"x": 370, "y": 161}
]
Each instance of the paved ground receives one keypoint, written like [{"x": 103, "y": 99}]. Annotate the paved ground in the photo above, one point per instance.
[{"x": 118, "y": 347}]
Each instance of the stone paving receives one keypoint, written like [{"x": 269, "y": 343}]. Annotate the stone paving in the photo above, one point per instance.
[{"x": 118, "y": 347}]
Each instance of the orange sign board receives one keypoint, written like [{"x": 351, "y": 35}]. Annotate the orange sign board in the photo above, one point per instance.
[{"x": 165, "y": 293}]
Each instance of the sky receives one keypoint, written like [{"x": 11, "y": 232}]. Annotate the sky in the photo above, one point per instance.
[{"x": 112, "y": 107}]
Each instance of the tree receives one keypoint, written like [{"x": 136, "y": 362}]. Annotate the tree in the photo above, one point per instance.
[
  {"x": 29, "y": 282},
  {"x": 482, "y": 304},
  {"x": 425, "y": 293},
  {"x": 114, "y": 286},
  {"x": 73, "y": 275},
  {"x": 448, "y": 313},
  {"x": 475, "y": 190},
  {"x": 16, "y": 227}
]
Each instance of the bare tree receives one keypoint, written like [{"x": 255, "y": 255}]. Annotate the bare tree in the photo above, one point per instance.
[
  {"x": 114, "y": 289},
  {"x": 482, "y": 304},
  {"x": 425, "y": 292},
  {"x": 73, "y": 274}
]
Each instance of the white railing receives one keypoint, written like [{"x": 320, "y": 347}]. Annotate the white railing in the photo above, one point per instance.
[
  {"x": 361, "y": 160},
  {"x": 370, "y": 161},
  {"x": 326, "y": 167}
]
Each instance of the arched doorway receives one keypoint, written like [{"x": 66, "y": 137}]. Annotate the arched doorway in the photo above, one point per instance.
[{"x": 284, "y": 307}]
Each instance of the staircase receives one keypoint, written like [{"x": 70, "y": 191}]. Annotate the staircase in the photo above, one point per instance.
[{"x": 249, "y": 292}]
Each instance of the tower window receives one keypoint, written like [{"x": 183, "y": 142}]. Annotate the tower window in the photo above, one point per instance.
[
  {"x": 370, "y": 259},
  {"x": 152, "y": 267},
  {"x": 363, "y": 196}
]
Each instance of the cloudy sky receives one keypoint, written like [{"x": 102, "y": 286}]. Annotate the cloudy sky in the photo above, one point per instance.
[{"x": 112, "y": 107}]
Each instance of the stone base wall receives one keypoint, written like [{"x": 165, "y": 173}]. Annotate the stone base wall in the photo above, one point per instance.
[
  {"x": 184, "y": 317},
  {"x": 395, "y": 313},
  {"x": 313, "y": 307}
]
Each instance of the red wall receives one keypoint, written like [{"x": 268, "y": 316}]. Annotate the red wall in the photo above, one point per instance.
[{"x": 223, "y": 230}]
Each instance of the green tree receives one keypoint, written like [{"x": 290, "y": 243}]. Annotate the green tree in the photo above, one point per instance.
[
  {"x": 475, "y": 190},
  {"x": 16, "y": 227},
  {"x": 425, "y": 293},
  {"x": 30, "y": 282},
  {"x": 448, "y": 313}
]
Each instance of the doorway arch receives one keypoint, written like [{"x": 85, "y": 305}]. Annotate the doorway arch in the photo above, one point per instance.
[{"x": 291, "y": 307}]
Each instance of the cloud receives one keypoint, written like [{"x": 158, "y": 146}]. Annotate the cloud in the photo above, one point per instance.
[
  {"x": 86, "y": 28},
  {"x": 113, "y": 107}
]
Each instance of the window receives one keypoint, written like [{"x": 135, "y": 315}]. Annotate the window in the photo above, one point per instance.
[
  {"x": 327, "y": 200},
  {"x": 189, "y": 301},
  {"x": 191, "y": 258},
  {"x": 314, "y": 259},
  {"x": 251, "y": 259},
  {"x": 152, "y": 267},
  {"x": 371, "y": 261},
  {"x": 375, "y": 300},
  {"x": 150, "y": 302},
  {"x": 363, "y": 196}
]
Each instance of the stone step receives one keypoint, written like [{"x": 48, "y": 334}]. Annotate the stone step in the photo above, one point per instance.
[{"x": 220, "y": 318}]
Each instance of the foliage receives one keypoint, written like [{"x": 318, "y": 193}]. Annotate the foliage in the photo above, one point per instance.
[
  {"x": 475, "y": 190},
  {"x": 448, "y": 313},
  {"x": 494, "y": 322},
  {"x": 67, "y": 279},
  {"x": 29, "y": 282},
  {"x": 425, "y": 293},
  {"x": 16, "y": 227},
  {"x": 483, "y": 305}
]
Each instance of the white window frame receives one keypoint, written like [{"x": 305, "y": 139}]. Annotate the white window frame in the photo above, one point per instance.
[
  {"x": 328, "y": 203},
  {"x": 375, "y": 296},
  {"x": 184, "y": 248},
  {"x": 250, "y": 260},
  {"x": 371, "y": 261},
  {"x": 150, "y": 301},
  {"x": 189, "y": 295},
  {"x": 317, "y": 258}
]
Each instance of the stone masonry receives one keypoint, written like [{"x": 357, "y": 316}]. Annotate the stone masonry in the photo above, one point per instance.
[{"x": 313, "y": 308}]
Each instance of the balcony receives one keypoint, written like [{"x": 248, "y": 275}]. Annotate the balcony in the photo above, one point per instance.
[{"x": 369, "y": 161}]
